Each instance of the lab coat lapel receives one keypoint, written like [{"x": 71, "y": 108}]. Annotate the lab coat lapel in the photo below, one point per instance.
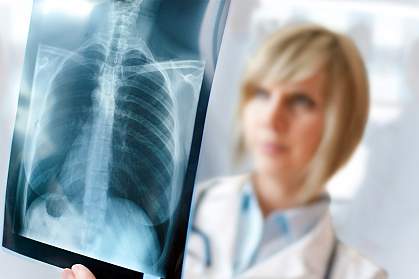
[
  {"x": 307, "y": 258},
  {"x": 218, "y": 218}
]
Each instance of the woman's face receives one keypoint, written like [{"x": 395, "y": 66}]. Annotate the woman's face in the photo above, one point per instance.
[{"x": 283, "y": 125}]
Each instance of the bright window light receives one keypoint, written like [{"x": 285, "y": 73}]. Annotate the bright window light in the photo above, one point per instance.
[
  {"x": 379, "y": 7},
  {"x": 78, "y": 8}
]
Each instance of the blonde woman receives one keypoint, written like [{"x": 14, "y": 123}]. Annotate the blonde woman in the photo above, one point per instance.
[{"x": 303, "y": 108}]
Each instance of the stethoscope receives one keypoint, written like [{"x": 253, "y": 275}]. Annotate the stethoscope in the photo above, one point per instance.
[{"x": 207, "y": 242}]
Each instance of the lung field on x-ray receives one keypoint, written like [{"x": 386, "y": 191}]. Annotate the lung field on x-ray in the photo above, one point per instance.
[{"x": 106, "y": 164}]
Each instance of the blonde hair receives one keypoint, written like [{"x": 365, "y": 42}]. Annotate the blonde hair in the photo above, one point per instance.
[{"x": 297, "y": 52}]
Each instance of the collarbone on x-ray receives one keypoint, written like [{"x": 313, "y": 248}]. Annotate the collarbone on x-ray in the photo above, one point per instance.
[{"x": 107, "y": 155}]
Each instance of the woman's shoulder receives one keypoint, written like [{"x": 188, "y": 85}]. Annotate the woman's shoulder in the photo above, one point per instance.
[
  {"x": 352, "y": 264},
  {"x": 216, "y": 196}
]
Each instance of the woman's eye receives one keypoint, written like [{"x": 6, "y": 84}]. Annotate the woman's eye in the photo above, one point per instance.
[
  {"x": 303, "y": 101},
  {"x": 261, "y": 94}
]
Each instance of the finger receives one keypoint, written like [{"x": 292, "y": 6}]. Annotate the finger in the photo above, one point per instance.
[
  {"x": 81, "y": 272},
  {"x": 67, "y": 274}
]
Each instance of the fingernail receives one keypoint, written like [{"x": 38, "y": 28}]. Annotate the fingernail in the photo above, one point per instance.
[
  {"x": 77, "y": 267},
  {"x": 81, "y": 270}
]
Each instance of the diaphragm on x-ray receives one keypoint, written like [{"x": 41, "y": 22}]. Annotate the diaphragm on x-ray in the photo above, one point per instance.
[{"x": 105, "y": 125}]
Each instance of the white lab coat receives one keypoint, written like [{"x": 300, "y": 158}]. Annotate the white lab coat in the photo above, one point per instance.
[{"x": 217, "y": 216}]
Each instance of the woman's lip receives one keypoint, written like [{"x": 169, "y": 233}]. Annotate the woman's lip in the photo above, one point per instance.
[{"x": 271, "y": 148}]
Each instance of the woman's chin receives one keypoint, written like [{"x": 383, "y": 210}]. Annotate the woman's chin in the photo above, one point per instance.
[{"x": 273, "y": 167}]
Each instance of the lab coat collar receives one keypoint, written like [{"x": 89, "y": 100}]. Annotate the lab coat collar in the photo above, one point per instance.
[{"x": 307, "y": 258}]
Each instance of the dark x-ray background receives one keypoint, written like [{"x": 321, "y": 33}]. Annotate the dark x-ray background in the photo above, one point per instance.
[
  {"x": 375, "y": 197},
  {"x": 104, "y": 127}
]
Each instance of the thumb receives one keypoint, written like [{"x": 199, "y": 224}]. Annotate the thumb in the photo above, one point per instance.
[
  {"x": 81, "y": 272},
  {"x": 67, "y": 274}
]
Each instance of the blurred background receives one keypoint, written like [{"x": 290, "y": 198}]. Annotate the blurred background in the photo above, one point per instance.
[{"x": 375, "y": 197}]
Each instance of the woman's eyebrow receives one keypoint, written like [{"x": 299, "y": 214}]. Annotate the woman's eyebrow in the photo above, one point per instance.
[{"x": 297, "y": 91}]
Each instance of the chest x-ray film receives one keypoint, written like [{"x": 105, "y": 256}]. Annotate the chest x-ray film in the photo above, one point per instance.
[{"x": 108, "y": 130}]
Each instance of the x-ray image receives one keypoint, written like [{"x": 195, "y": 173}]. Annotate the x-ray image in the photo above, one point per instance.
[{"x": 106, "y": 119}]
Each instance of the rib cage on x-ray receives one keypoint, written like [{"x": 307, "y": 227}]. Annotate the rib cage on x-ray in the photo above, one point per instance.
[
  {"x": 105, "y": 159},
  {"x": 137, "y": 126}
]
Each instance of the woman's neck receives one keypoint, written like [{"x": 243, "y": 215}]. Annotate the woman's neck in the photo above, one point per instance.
[{"x": 275, "y": 193}]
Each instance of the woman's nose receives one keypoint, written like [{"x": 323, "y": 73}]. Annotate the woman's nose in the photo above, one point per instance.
[{"x": 276, "y": 115}]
